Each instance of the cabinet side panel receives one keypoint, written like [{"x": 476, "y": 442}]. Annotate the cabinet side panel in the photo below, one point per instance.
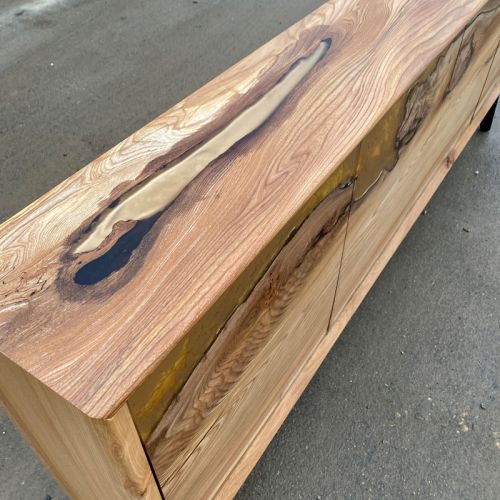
[{"x": 90, "y": 458}]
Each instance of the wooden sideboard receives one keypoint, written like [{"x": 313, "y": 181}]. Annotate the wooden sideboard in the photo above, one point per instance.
[{"x": 163, "y": 309}]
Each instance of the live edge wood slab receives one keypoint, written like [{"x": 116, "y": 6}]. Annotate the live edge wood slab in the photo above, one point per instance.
[{"x": 162, "y": 310}]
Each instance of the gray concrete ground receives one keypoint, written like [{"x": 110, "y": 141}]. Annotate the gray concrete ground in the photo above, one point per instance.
[{"x": 407, "y": 404}]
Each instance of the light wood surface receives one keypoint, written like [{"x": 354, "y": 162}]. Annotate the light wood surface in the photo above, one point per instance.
[
  {"x": 394, "y": 164},
  {"x": 229, "y": 480},
  {"x": 256, "y": 357},
  {"x": 162, "y": 310},
  {"x": 90, "y": 458},
  {"x": 493, "y": 73},
  {"x": 215, "y": 430},
  {"x": 94, "y": 344},
  {"x": 392, "y": 172},
  {"x": 149, "y": 402},
  {"x": 484, "y": 36}
]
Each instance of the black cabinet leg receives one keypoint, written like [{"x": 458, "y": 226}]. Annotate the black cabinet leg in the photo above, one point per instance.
[{"x": 488, "y": 118}]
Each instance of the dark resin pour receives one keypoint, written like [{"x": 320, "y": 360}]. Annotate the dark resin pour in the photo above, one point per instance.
[{"x": 117, "y": 256}]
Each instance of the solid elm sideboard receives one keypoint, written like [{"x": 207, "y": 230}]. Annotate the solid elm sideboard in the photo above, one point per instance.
[{"x": 163, "y": 309}]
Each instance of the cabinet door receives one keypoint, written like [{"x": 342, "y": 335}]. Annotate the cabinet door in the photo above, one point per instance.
[
  {"x": 396, "y": 162},
  {"x": 252, "y": 368}
]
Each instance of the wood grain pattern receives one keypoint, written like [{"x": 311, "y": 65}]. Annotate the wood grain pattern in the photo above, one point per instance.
[
  {"x": 443, "y": 101},
  {"x": 493, "y": 75},
  {"x": 90, "y": 458},
  {"x": 388, "y": 179},
  {"x": 215, "y": 468},
  {"x": 479, "y": 45},
  {"x": 184, "y": 287},
  {"x": 261, "y": 349},
  {"x": 150, "y": 400},
  {"x": 95, "y": 344}
]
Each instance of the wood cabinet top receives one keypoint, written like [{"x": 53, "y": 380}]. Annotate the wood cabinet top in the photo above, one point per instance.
[{"x": 101, "y": 277}]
